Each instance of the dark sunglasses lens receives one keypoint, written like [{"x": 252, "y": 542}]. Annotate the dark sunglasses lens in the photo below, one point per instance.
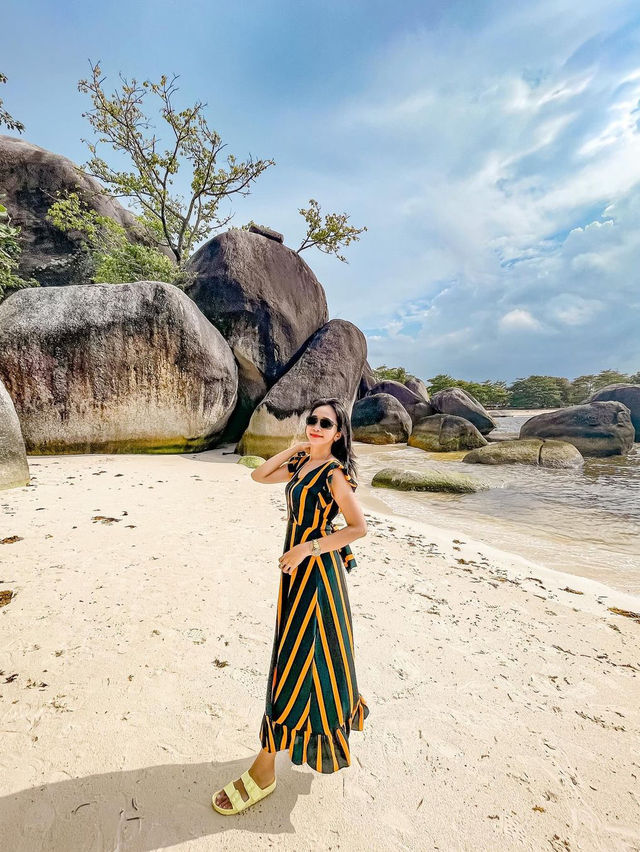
[{"x": 325, "y": 423}]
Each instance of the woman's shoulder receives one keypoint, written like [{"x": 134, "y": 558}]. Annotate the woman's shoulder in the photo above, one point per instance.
[{"x": 336, "y": 464}]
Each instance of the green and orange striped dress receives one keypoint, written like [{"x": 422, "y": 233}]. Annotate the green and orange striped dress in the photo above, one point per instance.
[{"x": 313, "y": 701}]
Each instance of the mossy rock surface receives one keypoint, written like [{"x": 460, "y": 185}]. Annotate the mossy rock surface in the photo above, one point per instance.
[
  {"x": 541, "y": 452},
  {"x": 445, "y": 433},
  {"x": 435, "y": 480},
  {"x": 251, "y": 461}
]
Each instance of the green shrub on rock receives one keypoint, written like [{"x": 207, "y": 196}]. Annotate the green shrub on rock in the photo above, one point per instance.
[{"x": 115, "y": 259}]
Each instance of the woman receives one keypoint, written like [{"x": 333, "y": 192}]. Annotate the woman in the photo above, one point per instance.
[{"x": 312, "y": 694}]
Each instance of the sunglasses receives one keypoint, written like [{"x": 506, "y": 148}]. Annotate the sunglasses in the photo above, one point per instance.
[{"x": 325, "y": 423}]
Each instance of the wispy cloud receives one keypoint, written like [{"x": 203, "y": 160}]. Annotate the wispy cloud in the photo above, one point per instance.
[{"x": 499, "y": 175}]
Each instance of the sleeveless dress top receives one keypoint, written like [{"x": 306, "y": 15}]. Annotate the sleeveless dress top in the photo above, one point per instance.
[{"x": 312, "y": 701}]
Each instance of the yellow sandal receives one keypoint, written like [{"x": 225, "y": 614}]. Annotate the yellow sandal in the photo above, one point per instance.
[{"x": 254, "y": 792}]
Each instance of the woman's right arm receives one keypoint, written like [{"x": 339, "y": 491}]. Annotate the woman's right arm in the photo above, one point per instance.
[{"x": 275, "y": 469}]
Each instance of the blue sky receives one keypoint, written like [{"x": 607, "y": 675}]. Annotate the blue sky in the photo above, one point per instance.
[{"x": 491, "y": 149}]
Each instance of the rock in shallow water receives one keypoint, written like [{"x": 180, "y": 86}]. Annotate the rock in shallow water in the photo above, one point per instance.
[
  {"x": 628, "y": 395},
  {"x": 445, "y": 433},
  {"x": 461, "y": 403},
  {"x": 432, "y": 480},
  {"x": 595, "y": 429},
  {"x": 541, "y": 452}
]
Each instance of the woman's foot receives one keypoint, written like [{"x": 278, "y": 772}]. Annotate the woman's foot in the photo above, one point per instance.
[{"x": 263, "y": 773}]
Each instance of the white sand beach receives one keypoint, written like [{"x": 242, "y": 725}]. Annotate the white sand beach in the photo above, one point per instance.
[{"x": 504, "y": 698}]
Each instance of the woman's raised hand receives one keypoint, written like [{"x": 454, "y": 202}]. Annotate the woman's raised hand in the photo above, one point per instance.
[{"x": 300, "y": 446}]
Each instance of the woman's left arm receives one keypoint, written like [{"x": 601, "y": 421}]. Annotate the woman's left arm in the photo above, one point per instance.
[{"x": 352, "y": 513}]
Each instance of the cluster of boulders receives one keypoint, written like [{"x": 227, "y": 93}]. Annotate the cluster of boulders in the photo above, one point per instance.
[
  {"x": 237, "y": 356},
  {"x": 146, "y": 367},
  {"x": 452, "y": 420}
]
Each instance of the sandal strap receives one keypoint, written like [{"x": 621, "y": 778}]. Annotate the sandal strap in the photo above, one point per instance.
[
  {"x": 254, "y": 790},
  {"x": 233, "y": 794}
]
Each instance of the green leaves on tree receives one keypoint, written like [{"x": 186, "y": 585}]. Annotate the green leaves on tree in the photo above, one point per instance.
[
  {"x": 120, "y": 121},
  {"x": 6, "y": 119},
  {"x": 329, "y": 235}
]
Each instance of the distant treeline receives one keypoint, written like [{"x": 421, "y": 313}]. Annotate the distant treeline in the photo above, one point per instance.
[{"x": 532, "y": 392}]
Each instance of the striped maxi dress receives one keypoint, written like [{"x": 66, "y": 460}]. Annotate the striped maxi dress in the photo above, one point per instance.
[{"x": 313, "y": 701}]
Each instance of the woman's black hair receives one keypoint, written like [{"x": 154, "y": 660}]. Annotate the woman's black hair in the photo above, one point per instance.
[{"x": 342, "y": 448}]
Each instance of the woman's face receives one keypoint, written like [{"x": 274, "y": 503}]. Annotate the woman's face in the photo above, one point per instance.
[{"x": 317, "y": 435}]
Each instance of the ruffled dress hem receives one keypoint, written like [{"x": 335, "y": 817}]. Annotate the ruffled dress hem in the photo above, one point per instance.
[{"x": 324, "y": 753}]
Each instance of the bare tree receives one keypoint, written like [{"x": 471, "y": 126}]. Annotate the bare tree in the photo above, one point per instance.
[{"x": 119, "y": 120}]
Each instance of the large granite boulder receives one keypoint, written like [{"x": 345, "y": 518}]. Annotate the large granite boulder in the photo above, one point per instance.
[
  {"x": 414, "y": 404},
  {"x": 445, "y": 433},
  {"x": 380, "y": 419},
  {"x": 540, "y": 452},
  {"x": 367, "y": 381},
  {"x": 628, "y": 395},
  {"x": 265, "y": 301},
  {"x": 14, "y": 469},
  {"x": 29, "y": 178},
  {"x": 461, "y": 403},
  {"x": 595, "y": 429},
  {"x": 418, "y": 387},
  {"x": 330, "y": 366},
  {"x": 426, "y": 480},
  {"x": 115, "y": 368}
]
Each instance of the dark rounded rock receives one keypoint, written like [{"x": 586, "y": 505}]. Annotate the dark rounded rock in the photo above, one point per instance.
[
  {"x": 445, "y": 433},
  {"x": 595, "y": 429},
  {"x": 418, "y": 387},
  {"x": 265, "y": 301},
  {"x": 422, "y": 410},
  {"x": 628, "y": 395},
  {"x": 461, "y": 403},
  {"x": 411, "y": 401},
  {"x": 330, "y": 366},
  {"x": 380, "y": 419}
]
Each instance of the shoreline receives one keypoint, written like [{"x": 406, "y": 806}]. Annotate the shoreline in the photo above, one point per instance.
[
  {"x": 564, "y": 552},
  {"x": 137, "y": 644}
]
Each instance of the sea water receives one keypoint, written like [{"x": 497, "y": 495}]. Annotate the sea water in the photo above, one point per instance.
[{"x": 584, "y": 521}]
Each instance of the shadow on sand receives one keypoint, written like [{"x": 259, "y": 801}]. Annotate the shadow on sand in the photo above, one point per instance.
[{"x": 140, "y": 809}]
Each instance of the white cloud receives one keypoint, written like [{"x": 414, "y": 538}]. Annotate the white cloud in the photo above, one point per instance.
[
  {"x": 519, "y": 320},
  {"x": 498, "y": 172},
  {"x": 570, "y": 309}
]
